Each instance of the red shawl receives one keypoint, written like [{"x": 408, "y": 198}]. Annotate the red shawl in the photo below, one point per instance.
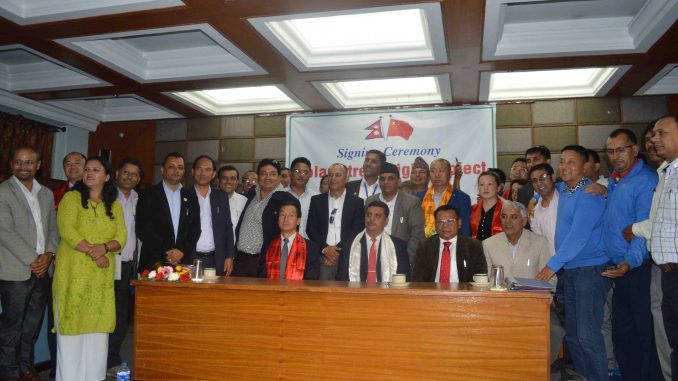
[
  {"x": 296, "y": 261},
  {"x": 476, "y": 214}
]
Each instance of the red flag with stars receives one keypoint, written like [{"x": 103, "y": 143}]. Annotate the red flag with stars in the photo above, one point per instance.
[
  {"x": 399, "y": 128},
  {"x": 375, "y": 130}
]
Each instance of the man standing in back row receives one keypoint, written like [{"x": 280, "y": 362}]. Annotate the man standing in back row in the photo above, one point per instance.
[
  {"x": 369, "y": 184},
  {"x": 168, "y": 218},
  {"x": 335, "y": 218}
]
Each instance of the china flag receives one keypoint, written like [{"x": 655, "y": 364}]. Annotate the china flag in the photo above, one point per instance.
[
  {"x": 400, "y": 128},
  {"x": 375, "y": 130}
]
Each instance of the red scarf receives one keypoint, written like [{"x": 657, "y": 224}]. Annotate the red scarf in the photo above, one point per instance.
[
  {"x": 296, "y": 261},
  {"x": 496, "y": 218}
]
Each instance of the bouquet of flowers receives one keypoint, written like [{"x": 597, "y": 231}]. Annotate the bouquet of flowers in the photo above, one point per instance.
[{"x": 168, "y": 273}]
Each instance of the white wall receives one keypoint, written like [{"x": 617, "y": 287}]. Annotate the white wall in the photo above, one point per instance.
[{"x": 73, "y": 139}]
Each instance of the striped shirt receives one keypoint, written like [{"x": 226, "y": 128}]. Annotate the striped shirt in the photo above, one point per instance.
[{"x": 664, "y": 239}]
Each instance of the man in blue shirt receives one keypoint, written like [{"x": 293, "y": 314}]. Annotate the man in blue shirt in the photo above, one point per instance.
[
  {"x": 580, "y": 252},
  {"x": 629, "y": 199}
]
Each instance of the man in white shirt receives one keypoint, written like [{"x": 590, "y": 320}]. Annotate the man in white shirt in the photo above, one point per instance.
[
  {"x": 405, "y": 219},
  {"x": 334, "y": 219},
  {"x": 215, "y": 246},
  {"x": 28, "y": 241},
  {"x": 228, "y": 182},
  {"x": 301, "y": 168},
  {"x": 127, "y": 178},
  {"x": 368, "y": 185},
  {"x": 544, "y": 209},
  {"x": 662, "y": 226}
]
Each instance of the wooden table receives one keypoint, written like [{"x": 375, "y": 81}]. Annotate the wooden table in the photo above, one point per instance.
[{"x": 255, "y": 329}]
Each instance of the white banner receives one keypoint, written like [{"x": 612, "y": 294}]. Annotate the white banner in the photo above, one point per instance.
[{"x": 453, "y": 133}]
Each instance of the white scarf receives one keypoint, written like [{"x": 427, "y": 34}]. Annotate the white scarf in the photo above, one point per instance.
[{"x": 389, "y": 261}]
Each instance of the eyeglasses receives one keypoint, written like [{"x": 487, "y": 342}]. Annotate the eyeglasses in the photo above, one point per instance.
[
  {"x": 447, "y": 221},
  {"x": 618, "y": 150},
  {"x": 541, "y": 179},
  {"x": 250, "y": 181},
  {"x": 301, "y": 172},
  {"x": 334, "y": 213}
]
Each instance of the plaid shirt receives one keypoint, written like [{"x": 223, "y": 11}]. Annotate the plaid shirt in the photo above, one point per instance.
[{"x": 664, "y": 234}]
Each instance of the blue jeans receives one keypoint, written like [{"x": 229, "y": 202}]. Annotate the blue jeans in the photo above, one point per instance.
[{"x": 585, "y": 296}]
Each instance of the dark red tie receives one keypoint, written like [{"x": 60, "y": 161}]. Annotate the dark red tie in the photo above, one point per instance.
[
  {"x": 372, "y": 263},
  {"x": 445, "y": 264}
]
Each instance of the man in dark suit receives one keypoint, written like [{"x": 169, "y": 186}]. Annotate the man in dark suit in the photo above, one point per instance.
[
  {"x": 368, "y": 185},
  {"x": 215, "y": 245},
  {"x": 447, "y": 257},
  {"x": 258, "y": 224},
  {"x": 334, "y": 219},
  {"x": 378, "y": 259},
  {"x": 405, "y": 218},
  {"x": 289, "y": 255},
  {"x": 168, "y": 218}
]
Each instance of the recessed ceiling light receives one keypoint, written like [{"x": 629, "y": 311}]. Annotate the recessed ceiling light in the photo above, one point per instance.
[
  {"x": 384, "y": 35},
  {"x": 387, "y": 92},
  {"x": 242, "y": 100},
  {"x": 541, "y": 84}
]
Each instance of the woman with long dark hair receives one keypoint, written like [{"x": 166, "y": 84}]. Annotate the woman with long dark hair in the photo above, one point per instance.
[{"x": 92, "y": 229}]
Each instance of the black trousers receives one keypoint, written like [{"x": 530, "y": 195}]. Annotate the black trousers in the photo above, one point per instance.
[
  {"x": 245, "y": 265},
  {"x": 122, "y": 314},
  {"x": 23, "y": 306}
]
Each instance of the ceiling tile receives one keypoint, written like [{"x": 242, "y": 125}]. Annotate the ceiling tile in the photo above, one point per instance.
[
  {"x": 113, "y": 109},
  {"x": 380, "y": 36},
  {"x": 176, "y": 53},
  {"x": 23, "y": 69},
  {"x": 25, "y": 12},
  {"x": 542, "y": 28}
]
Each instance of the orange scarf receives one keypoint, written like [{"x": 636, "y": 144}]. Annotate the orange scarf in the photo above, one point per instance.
[
  {"x": 428, "y": 206},
  {"x": 296, "y": 261},
  {"x": 496, "y": 218}
]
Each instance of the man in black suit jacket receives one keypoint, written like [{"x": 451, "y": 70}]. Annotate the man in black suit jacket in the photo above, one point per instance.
[
  {"x": 428, "y": 265},
  {"x": 289, "y": 219},
  {"x": 258, "y": 223},
  {"x": 334, "y": 219},
  {"x": 368, "y": 185},
  {"x": 168, "y": 218},
  {"x": 215, "y": 245},
  {"x": 389, "y": 256}
]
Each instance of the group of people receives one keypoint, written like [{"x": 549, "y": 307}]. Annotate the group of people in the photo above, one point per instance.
[{"x": 76, "y": 250}]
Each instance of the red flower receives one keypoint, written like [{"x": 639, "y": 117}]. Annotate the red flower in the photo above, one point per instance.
[
  {"x": 159, "y": 276},
  {"x": 145, "y": 273},
  {"x": 185, "y": 277}
]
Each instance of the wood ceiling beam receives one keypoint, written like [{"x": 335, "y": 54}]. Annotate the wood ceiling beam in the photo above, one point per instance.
[{"x": 463, "y": 21}]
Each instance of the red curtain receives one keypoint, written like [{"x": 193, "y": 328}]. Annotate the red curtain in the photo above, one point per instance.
[{"x": 17, "y": 131}]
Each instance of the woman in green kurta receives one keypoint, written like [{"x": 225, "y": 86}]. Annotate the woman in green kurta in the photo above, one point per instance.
[{"x": 92, "y": 229}]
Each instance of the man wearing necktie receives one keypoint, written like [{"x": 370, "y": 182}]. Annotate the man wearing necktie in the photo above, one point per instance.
[
  {"x": 375, "y": 255},
  {"x": 447, "y": 257},
  {"x": 290, "y": 256}
]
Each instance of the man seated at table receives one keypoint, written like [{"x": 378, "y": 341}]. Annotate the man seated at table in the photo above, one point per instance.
[
  {"x": 447, "y": 257},
  {"x": 521, "y": 252},
  {"x": 387, "y": 254},
  {"x": 289, "y": 255}
]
